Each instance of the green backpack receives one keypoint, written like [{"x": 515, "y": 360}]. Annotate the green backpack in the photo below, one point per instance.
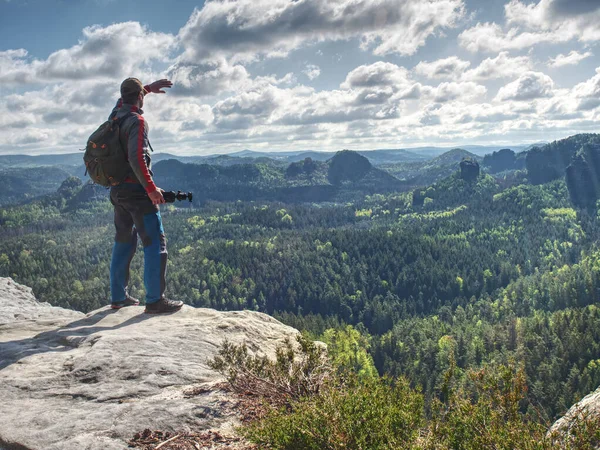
[{"x": 105, "y": 158}]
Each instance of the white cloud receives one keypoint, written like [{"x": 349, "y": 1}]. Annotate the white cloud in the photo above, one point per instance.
[
  {"x": 490, "y": 37},
  {"x": 502, "y": 66},
  {"x": 378, "y": 82},
  {"x": 247, "y": 108},
  {"x": 374, "y": 96},
  {"x": 573, "y": 58},
  {"x": 587, "y": 93},
  {"x": 529, "y": 86},
  {"x": 312, "y": 71},
  {"x": 116, "y": 51},
  {"x": 207, "y": 78},
  {"x": 14, "y": 67},
  {"x": 246, "y": 28},
  {"x": 464, "y": 91},
  {"x": 553, "y": 14},
  {"x": 378, "y": 74},
  {"x": 452, "y": 67},
  {"x": 550, "y": 21},
  {"x": 217, "y": 103}
]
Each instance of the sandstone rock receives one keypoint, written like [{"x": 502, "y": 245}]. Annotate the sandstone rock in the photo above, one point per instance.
[
  {"x": 18, "y": 303},
  {"x": 91, "y": 382},
  {"x": 588, "y": 408},
  {"x": 469, "y": 169}
]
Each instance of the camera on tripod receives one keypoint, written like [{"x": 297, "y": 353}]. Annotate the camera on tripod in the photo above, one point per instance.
[{"x": 171, "y": 196}]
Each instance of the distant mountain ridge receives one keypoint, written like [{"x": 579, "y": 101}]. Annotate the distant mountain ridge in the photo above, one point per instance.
[
  {"x": 347, "y": 173},
  {"x": 292, "y": 176},
  {"x": 378, "y": 156}
]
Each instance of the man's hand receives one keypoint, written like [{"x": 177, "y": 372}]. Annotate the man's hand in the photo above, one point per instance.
[
  {"x": 157, "y": 86},
  {"x": 156, "y": 197}
]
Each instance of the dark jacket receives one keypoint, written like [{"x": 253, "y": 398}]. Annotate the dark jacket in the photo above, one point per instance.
[{"x": 134, "y": 134}]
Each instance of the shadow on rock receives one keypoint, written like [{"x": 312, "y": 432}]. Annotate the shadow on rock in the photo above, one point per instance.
[{"x": 61, "y": 339}]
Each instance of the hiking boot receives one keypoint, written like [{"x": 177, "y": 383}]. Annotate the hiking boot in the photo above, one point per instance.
[
  {"x": 163, "y": 306},
  {"x": 129, "y": 301}
]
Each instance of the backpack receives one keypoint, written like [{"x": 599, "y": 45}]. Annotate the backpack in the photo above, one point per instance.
[{"x": 105, "y": 158}]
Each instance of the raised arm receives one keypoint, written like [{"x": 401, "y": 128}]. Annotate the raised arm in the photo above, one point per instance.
[{"x": 158, "y": 86}]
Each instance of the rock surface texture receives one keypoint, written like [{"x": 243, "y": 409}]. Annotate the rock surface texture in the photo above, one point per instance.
[
  {"x": 18, "y": 303},
  {"x": 588, "y": 407},
  {"x": 74, "y": 381}
]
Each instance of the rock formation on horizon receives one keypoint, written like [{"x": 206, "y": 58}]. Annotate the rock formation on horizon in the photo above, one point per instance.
[
  {"x": 74, "y": 381},
  {"x": 347, "y": 165},
  {"x": 469, "y": 169}
]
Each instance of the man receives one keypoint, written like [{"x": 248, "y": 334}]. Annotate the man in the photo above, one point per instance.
[{"x": 136, "y": 207}]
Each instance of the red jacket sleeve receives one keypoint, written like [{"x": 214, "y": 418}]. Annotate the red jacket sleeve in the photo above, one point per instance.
[{"x": 137, "y": 148}]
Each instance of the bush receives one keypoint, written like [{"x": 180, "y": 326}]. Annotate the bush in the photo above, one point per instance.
[
  {"x": 374, "y": 414},
  {"x": 295, "y": 373},
  {"x": 484, "y": 414},
  {"x": 582, "y": 432},
  {"x": 316, "y": 407}
]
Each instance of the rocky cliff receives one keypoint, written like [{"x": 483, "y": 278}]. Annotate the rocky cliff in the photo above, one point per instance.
[
  {"x": 74, "y": 381},
  {"x": 584, "y": 413}
]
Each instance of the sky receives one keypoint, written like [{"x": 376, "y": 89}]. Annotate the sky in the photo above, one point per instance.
[{"x": 275, "y": 75}]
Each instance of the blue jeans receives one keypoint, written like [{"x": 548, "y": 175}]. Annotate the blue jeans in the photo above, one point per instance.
[{"x": 136, "y": 215}]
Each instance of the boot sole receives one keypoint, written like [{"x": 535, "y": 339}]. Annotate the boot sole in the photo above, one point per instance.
[
  {"x": 163, "y": 312},
  {"x": 123, "y": 306}
]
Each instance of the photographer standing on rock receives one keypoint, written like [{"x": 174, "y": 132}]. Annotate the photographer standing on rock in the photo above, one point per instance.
[{"x": 136, "y": 201}]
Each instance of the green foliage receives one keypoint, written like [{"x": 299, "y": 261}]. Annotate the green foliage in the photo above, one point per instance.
[
  {"x": 486, "y": 416},
  {"x": 500, "y": 161},
  {"x": 343, "y": 177},
  {"x": 582, "y": 432},
  {"x": 347, "y": 166},
  {"x": 374, "y": 414},
  {"x": 424, "y": 173},
  {"x": 348, "y": 350},
  {"x": 24, "y": 183},
  {"x": 549, "y": 162},
  {"x": 583, "y": 176},
  {"x": 486, "y": 272},
  {"x": 296, "y": 372},
  {"x": 348, "y": 411}
]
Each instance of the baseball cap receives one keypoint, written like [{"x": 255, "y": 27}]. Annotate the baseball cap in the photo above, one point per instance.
[{"x": 130, "y": 87}]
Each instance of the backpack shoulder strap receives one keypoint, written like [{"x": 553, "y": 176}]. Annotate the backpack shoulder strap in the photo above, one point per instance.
[{"x": 120, "y": 120}]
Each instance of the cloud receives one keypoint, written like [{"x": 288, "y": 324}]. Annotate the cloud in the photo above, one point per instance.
[
  {"x": 173, "y": 115},
  {"x": 465, "y": 91},
  {"x": 14, "y": 67},
  {"x": 376, "y": 83},
  {"x": 573, "y": 58},
  {"x": 245, "y": 109},
  {"x": 207, "y": 78},
  {"x": 378, "y": 74},
  {"x": 529, "y": 86},
  {"x": 326, "y": 107},
  {"x": 312, "y": 71},
  {"x": 549, "y": 14},
  {"x": 374, "y": 96},
  {"x": 587, "y": 94},
  {"x": 490, "y": 37},
  {"x": 487, "y": 114},
  {"x": 573, "y": 7},
  {"x": 550, "y": 21},
  {"x": 502, "y": 66},
  {"x": 244, "y": 29},
  {"x": 218, "y": 103},
  {"x": 116, "y": 51},
  {"x": 452, "y": 67}
]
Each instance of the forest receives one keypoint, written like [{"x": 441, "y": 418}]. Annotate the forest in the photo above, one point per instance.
[{"x": 499, "y": 267}]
